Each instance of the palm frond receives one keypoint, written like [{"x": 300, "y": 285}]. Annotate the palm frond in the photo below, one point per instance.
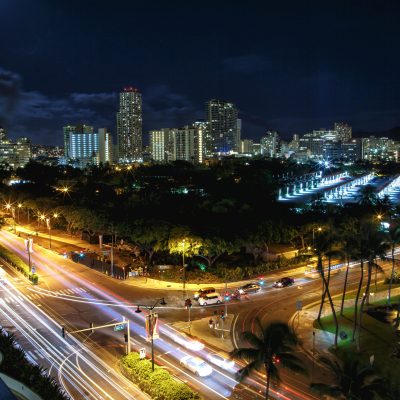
[
  {"x": 292, "y": 362},
  {"x": 253, "y": 340},
  {"x": 245, "y": 371},
  {"x": 324, "y": 389},
  {"x": 247, "y": 354}
]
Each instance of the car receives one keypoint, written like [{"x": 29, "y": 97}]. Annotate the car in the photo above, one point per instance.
[
  {"x": 284, "y": 282},
  {"x": 250, "y": 288},
  {"x": 187, "y": 342},
  {"x": 197, "y": 365},
  {"x": 211, "y": 298},
  {"x": 220, "y": 361},
  {"x": 203, "y": 291}
]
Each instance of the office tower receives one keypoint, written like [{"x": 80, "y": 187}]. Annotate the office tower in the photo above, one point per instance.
[
  {"x": 222, "y": 118},
  {"x": 105, "y": 146},
  {"x": 82, "y": 146},
  {"x": 270, "y": 144},
  {"x": 68, "y": 130},
  {"x": 311, "y": 144},
  {"x": 379, "y": 149},
  {"x": 129, "y": 125},
  {"x": 327, "y": 135},
  {"x": 344, "y": 131},
  {"x": 352, "y": 150},
  {"x": 246, "y": 146},
  {"x": 256, "y": 149}
]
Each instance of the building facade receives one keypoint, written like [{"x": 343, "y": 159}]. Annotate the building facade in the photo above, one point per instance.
[
  {"x": 270, "y": 144},
  {"x": 344, "y": 131},
  {"x": 106, "y": 154},
  {"x": 223, "y": 127},
  {"x": 15, "y": 154},
  {"x": 129, "y": 125}
]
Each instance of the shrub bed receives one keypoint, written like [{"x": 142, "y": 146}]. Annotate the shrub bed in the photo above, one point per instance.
[
  {"x": 160, "y": 384},
  {"x": 14, "y": 260},
  {"x": 16, "y": 366}
]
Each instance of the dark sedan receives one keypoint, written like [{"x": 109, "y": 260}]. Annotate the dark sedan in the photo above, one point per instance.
[
  {"x": 250, "y": 288},
  {"x": 284, "y": 282}
]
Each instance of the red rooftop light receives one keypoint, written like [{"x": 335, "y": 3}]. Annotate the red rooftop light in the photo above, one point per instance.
[{"x": 130, "y": 89}]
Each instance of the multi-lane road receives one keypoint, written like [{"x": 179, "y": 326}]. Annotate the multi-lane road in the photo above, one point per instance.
[{"x": 71, "y": 295}]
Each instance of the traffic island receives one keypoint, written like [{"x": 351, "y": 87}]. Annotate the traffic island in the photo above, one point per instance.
[
  {"x": 159, "y": 384},
  {"x": 210, "y": 330}
]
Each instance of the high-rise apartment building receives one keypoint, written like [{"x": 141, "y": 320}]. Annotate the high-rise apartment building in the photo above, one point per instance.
[
  {"x": 344, "y": 131},
  {"x": 129, "y": 125},
  {"x": 15, "y": 154},
  {"x": 178, "y": 144},
  {"x": 161, "y": 144},
  {"x": 270, "y": 144},
  {"x": 224, "y": 127},
  {"x": 246, "y": 146},
  {"x": 105, "y": 146}
]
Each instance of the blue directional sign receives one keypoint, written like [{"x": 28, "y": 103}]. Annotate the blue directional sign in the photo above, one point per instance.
[{"x": 119, "y": 327}]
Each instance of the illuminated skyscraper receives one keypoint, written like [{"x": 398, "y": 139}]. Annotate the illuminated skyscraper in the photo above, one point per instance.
[
  {"x": 224, "y": 127},
  {"x": 129, "y": 125},
  {"x": 344, "y": 131}
]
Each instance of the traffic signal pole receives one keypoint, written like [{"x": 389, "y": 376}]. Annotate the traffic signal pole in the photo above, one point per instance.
[{"x": 92, "y": 328}]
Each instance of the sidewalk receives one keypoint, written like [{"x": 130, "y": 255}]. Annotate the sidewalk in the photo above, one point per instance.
[
  {"x": 317, "y": 342},
  {"x": 200, "y": 329}
]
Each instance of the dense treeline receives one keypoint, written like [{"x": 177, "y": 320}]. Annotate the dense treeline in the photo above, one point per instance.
[{"x": 223, "y": 212}]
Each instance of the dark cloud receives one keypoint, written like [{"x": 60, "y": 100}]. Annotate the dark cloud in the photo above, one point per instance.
[
  {"x": 41, "y": 117},
  {"x": 247, "y": 64},
  {"x": 167, "y": 109}
]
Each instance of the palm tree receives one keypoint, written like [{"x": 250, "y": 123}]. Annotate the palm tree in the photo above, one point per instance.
[
  {"x": 376, "y": 246},
  {"x": 348, "y": 235},
  {"x": 324, "y": 246},
  {"x": 394, "y": 239},
  {"x": 353, "y": 381},
  {"x": 271, "y": 348},
  {"x": 367, "y": 196}
]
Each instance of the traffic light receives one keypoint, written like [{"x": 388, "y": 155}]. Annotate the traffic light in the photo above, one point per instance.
[
  {"x": 126, "y": 337},
  {"x": 227, "y": 296},
  {"x": 262, "y": 282},
  {"x": 188, "y": 303},
  {"x": 222, "y": 315},
  {"x": 63, "y": 332},
  {"x": 91, "y": 326}
]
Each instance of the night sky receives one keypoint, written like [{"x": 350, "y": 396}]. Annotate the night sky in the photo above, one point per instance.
[{"x": 292, "y": 66}]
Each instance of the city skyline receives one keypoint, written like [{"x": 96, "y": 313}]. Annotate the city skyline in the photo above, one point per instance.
[{"x": 286, "y": 78}]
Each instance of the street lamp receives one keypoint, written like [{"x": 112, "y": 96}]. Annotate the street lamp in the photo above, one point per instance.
[
  {"x": 48, "y": 221},
  {"x": 318, "y": 229},
  {"x": 183, "y": 264},
  {"x": 151, "y": 317},
  {"x": 10, "y": 208},
  {"x": 19, "y": 207}
]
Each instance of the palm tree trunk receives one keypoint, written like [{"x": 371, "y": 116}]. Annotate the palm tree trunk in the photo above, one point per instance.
[
  {"x": 327, "y": 291},
  {"x": 391, "y": 276},
  {"x": 321, "y": 268},
  {"x": 268, "y": 381},
  {"x": 345, "y": 285},
  {"x": 367, "y": 287},
  {"x": 357, "y": 299}
]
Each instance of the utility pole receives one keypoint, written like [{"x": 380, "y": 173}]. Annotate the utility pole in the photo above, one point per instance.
[
  {"x": 112, "y": 250},
  {"x": 183, "y": 266}
]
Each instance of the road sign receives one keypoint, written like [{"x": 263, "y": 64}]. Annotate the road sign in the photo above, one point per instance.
[
  {"x": 299, "y": 305},
  {"x": 142, "y": 353},
  {"x": 33, "y": 269},
  {"x": 119, "y": 327}
]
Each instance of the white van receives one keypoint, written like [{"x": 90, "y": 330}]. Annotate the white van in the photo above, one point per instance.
[{"x": 210, "y": 298}]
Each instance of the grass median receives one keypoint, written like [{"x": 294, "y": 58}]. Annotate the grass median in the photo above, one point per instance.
[{"x": 377, "y": 339}]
